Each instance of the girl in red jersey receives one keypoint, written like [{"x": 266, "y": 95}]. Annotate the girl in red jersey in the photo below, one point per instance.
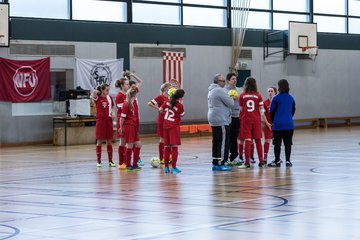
[
  {"x": 156, "y": 103},
  {"x": 137, "y": 83},
  {"x": 123, "y": 85},
  {"x": 174, "y": 111},
  {"x": 104, "y": 123},
  {"x": 129, "y": 129},
  {"x": 252, "y": 108},
  {"x": 272, "y": 91}
]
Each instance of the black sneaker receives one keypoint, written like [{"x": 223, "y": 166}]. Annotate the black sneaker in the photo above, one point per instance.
[
  {"x": 274, "y": 164},
  {"x": 241, "y": 158},
  {"x": 252, "y": 159},
  {"x": 265, "y": 161},
  {"x": 288, "y": 164},
  {"x": 262, "y": 165}
]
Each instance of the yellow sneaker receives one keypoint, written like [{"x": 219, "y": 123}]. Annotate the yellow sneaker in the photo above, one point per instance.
[
  {"x": 122, "y": 166},
  {"x": 162, "y": 162}
]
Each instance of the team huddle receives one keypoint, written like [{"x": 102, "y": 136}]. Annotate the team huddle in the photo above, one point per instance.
[
  {"x": 170, "y": 111},
  {"x": 234, "y": 114}
]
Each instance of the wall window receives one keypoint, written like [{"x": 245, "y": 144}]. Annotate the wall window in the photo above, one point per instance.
[
  {"x": 260, "y": 4},
  {"x": 330, "y": 6},
  {"x": 259, "y": 20},
  {"x": 291, "y": 6},
  {"x": 330, "y": 24},
  {"x": 99, "y": 10},
  {"x": 222, "y": 3},
  {"x": 211, "y": 17},
  {"x": 354, "y": 25},
  {"x": 354, "y": 7},
  {"x": 281, "y": 20},
  {"x": 57, "y": 9},
  {"x": 156, "y": 13},
  {"x": 162, "y": 1}
]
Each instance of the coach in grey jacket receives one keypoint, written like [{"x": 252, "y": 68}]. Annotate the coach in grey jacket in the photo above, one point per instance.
[{"x": 219, "y": 117}]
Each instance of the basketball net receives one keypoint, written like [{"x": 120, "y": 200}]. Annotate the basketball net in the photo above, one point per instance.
[
  {"x": 239, "y": 18},
  {"x": 311, "y": 51}
]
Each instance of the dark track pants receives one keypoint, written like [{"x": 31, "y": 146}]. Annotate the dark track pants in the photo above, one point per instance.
[{"x": 220, "y": 144}]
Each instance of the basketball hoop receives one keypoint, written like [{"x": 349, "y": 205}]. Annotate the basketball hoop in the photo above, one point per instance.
[{"x": 311, "y": 51}]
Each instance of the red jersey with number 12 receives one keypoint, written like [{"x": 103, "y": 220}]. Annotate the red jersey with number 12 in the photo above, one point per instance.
[
  {"x": 172, "y": 117},
  {"x": 159, "y": 101},
  {"x": 250, "y": 103}
]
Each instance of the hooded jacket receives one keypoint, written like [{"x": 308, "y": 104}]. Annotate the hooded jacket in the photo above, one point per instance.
[
  {"x": 235, "y": 111},
  {"x": 219, "y": 106}
]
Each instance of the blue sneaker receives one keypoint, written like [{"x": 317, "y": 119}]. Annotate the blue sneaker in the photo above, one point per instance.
[
  {"x": 166, "y": 170},
  {"x": 140, "y": 163},
  {"x": 224, "y": 168},
  {"x": 175, "y": 171},
  {"x": 215, "y": 168}
]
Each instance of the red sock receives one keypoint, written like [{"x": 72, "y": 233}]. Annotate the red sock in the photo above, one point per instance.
[
  {"x": 247, "y": 152},
  {"x": 259, "y": 150},
  {"x": 241, "y": 149},
  {"x": 110, "y": 152},
  {"x": 174, "y": 154},
  {"x": 128, "y": 157},
  {"x": 266, "y": 149},
  {"x": 98, "y": 153},
  {"x": 161, "y": 151},
  {"x": 252, "y": 148},
  {"x": 167, "y": 155},
  {"x": 136, "y": 156},
  {"x": 121, "y": 151}
]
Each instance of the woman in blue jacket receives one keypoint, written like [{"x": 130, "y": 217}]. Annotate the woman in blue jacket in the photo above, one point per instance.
[{"x": 282, "y": 110}]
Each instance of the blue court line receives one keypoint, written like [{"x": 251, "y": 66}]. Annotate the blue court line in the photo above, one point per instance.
[{"x": 15, "y": 230}]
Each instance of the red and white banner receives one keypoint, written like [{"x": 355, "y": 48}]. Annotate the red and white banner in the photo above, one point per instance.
[
  {"x": 25, "y": 81},
  {"x": 173, "y": 66}
]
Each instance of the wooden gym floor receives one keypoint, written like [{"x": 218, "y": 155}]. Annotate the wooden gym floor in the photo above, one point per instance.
[{"x": 51, "y": 192}]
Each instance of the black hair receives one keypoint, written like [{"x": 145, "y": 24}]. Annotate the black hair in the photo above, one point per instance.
[
  {"x": 230, "y": 75},
  {"x": 283, "y": 86},
  {"x": 177, "y": 95}
]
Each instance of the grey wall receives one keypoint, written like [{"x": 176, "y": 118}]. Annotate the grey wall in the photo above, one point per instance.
[
  {"x": 328, "y": 88},
  {"x": 325, "y": 88}
]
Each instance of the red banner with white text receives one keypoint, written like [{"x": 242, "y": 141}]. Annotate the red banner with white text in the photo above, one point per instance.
[{"x": 25, "y": 81}]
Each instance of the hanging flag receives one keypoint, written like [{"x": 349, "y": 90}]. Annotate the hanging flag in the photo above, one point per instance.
[
  {"x": 92, "y": 73},
  {"x": 25, "y": 81},
  {"x": 173, "y": 67}
]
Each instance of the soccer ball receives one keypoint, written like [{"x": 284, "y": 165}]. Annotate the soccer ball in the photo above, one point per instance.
[
  {"x": 155, "y": 162},
  {"x": 171, "y": 91},
  {"x": 233, "y": 94}
]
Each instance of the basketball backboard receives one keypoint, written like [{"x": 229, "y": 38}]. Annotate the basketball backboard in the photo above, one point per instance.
[
  {"x": 302, "y": 35},
  {"x": 4, "y": 25}
]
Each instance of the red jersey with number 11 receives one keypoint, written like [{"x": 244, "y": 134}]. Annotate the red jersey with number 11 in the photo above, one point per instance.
[
  {"x": 250, "y": 103},
  {"x": 172, "y": 117}
]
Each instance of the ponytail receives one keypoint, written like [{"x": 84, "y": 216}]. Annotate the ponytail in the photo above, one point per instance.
[
  {"x": 175, "y": 97},
  {"x": 131, "y": 93}
]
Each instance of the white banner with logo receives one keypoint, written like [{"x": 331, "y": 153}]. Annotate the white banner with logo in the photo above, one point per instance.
[{"x": 92, "y": 73}]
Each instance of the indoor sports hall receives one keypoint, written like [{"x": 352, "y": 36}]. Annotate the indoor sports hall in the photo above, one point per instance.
[{"x": 179, "y": 119}]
